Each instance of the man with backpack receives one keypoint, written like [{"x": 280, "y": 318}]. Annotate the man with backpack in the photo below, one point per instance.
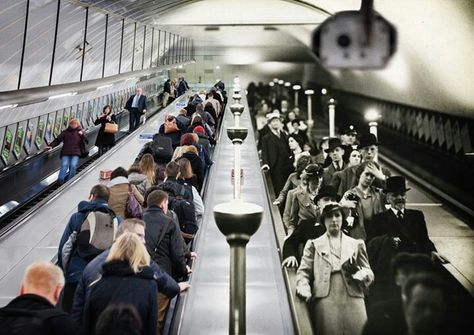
[
  {"x": 88, "y": 233},
  {"x": 183, "y": 200},
  {"x": 164, "y": 243},
  {"x": 33, "y": 311}
]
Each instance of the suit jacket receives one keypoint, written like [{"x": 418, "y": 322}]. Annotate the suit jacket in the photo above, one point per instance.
[
  {"x": 329, "y": 172},
  {"x": 411, "y": 230},
  {"x": 303, "y": 208},
  {"x": 276, "y": 153},
  {"x": 315, "y": 268},
  {"x": 141, "y": 103}
]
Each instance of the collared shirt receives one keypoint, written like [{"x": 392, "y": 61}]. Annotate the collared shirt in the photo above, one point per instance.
[
  {"x": 135, "y": 101},
  {"x": 395, "y": 211}
]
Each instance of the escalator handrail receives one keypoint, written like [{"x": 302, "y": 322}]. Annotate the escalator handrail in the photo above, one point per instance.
[{"x": 299, "y": 309}]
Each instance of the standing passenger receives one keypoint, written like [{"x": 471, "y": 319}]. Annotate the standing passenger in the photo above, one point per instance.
[
  {"x": 33, "y": 311},
  {"x": 276, "y": 154},
  {"x": 166, "y": 92},
  {"x": 71, "y": 150},
  {"x": 126, "y": 278},
  {"x": 105, "y": 140},
  {"x": 137, "y": 106},
  {"x": 335, "y": 272},
  {"x": 365, "y": 200},
  {"x": 73, "y": 264}
]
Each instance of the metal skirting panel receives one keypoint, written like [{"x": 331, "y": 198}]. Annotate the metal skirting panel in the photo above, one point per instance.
[{"x": 206, "y": 309}]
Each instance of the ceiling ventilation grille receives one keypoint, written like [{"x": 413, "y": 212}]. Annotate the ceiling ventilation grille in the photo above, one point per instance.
[{"x": 211, "y": 29}]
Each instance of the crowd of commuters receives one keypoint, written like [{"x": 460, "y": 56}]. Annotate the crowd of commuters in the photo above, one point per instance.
[
  {"x": 127, "y": 251},
  {"x": 348, "y": 230}
]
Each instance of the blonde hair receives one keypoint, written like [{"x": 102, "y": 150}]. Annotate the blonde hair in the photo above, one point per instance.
[
  {"x": 128, "y": 247},
  {"x": 147, "y": 166},
  {"x": 43, "y": 276},
  {"x": 190, "y": 148},
  {"x": 185, "y": 168}
]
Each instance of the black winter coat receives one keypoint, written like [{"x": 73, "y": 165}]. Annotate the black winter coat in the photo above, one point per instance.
[
  {"x": 103, "y": 138},
  {"x": 197, "y": 166},
  {"x": 12, "y": 324},
  {"x": 119, "y": 284},
  {"x": 169, "y": 254}
]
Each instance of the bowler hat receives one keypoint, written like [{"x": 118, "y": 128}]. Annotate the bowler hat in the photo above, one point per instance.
[
  {"x": 347, "y": 129},
  {"x": 333, "y": 144},
  {"x": 366, "y": 140},
  {"x": 333, "y": 207},
  {"x": 395, "y": 184},
  {"x": 327, "y": 191}
]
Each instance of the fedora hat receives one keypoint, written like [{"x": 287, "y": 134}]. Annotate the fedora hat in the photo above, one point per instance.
[
  {"x": 333, "y": 144},
  {"x": 366, "y": 140},
  {"x": 331, "y": 208},
  {"x": 395, "y": 184},
  {"x": 327, "y": 191}
]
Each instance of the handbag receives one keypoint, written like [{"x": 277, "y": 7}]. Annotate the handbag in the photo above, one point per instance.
[
  {"x": 111, "y": 128},
  {"x": 133, "y": 209},
  {"x": 84, "y": 150}
]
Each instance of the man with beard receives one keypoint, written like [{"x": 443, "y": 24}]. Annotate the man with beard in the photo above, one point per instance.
[{"x": 406, "y": 227}]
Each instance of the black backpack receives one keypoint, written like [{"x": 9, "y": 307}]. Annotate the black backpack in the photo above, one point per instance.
[
  {"x": 22, "y": 321},
  {"x": 160, "y": 148},
  {"x": 180, "y": 202},
  {"x": 186, "y": 214}
]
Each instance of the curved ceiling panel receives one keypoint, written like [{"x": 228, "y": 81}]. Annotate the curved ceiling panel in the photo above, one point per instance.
[{"x": 144, "y": 11}]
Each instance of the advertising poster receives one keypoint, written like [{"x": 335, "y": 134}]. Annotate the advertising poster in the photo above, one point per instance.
[
  {"x": 39, "y": 134},
  {"x": 18, "y": 141},
  {"x": 7, "y": 145}
]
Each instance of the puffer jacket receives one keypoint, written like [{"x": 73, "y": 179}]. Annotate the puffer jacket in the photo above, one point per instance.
[
  {"x": 71, "y": 140},
  {"x": 119, "y": 195},
  {"x": 140, "y": 181}
]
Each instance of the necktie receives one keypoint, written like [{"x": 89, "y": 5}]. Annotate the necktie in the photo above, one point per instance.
[{"x": 400, "y": 215}]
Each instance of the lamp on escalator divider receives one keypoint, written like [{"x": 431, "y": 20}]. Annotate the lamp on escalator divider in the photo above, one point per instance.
[
  {"x": 237, "y": 109},
  {"x": 238, "y": 221}
]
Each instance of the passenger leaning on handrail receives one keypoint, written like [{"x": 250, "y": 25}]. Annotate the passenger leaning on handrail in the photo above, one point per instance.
[
  {"x": 71, "y": 150},
  {"x": 335, "y": 273}
]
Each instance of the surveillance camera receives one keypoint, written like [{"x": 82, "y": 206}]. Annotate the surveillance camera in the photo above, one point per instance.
[{"x": 347, "y": 40}]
